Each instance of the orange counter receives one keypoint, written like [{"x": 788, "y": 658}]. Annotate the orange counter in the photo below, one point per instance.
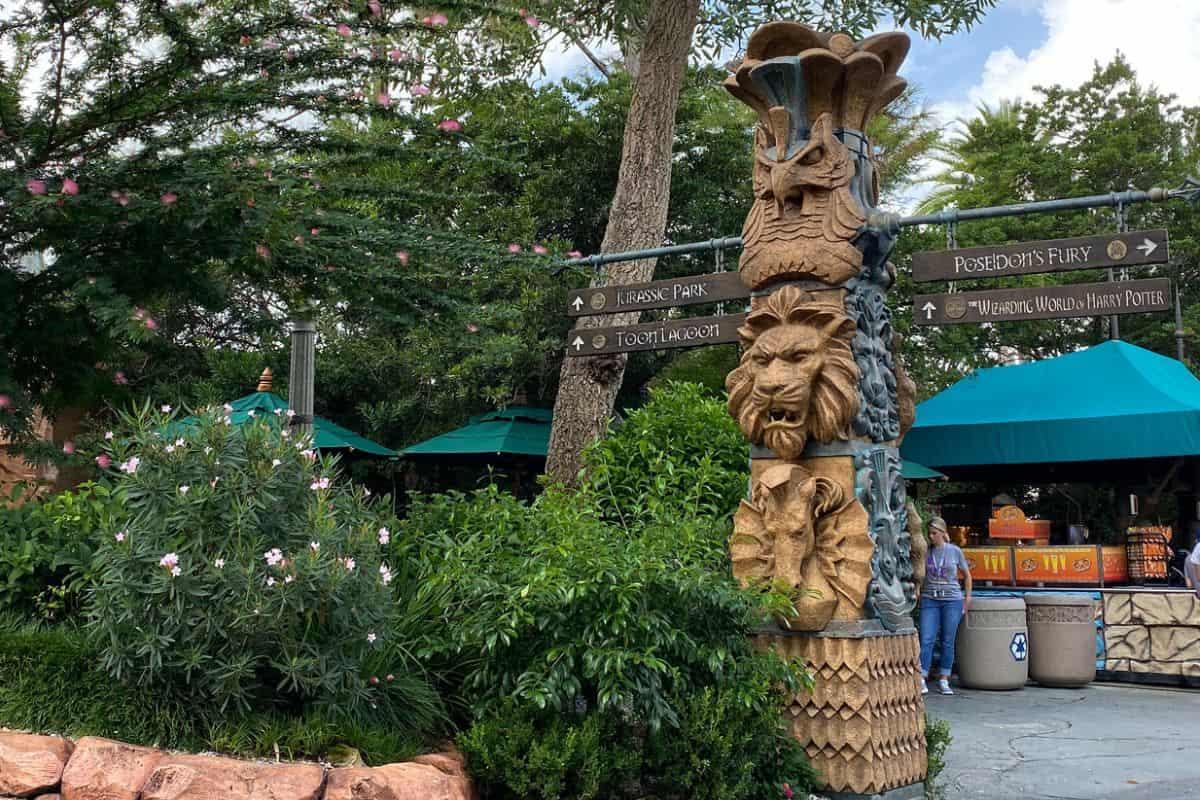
[{"x": 1084, "y": 565}]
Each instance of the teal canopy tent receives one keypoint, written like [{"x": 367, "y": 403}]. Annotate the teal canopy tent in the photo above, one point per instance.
[
  {"x": 516, "y": 430},
  {"x": 912, "y": 471},
  {"x": 1111, "y": 402},
  {"x": 326, "y": 435}
]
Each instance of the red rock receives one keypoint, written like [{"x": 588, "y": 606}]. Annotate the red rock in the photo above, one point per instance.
[
  {"x": 407, "y": 781},
  {"x": 449, "y": 762},
  {"x": 31, "y": 765},
  {"x": 214, "y": 778},
  {"x": 101, "y": 769}
]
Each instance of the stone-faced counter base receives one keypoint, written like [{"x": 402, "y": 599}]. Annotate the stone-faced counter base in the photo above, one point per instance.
[
  {"x": 863, "y": 724},
  {"x": 100, "y": 769}
]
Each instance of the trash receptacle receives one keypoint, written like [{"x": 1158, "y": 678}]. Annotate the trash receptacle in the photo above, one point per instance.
[
  {"x": 1062, "y": 639},
  {"x": 993, "y": 644}
]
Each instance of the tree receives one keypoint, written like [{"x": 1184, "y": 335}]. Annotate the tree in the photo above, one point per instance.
[
  {"x": 656, "y": 38},
  {"x": 180, "y": 175},
  {"x": 1109, "y": 134}
]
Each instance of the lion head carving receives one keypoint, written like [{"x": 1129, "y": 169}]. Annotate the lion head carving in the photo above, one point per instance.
[{"x": 797, "y": 378}]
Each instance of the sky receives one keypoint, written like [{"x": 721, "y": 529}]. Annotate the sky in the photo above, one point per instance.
[{"x": 1024, "y": 43}]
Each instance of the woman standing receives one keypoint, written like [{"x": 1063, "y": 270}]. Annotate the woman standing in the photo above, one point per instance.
[{"x": 943, "y": 603}]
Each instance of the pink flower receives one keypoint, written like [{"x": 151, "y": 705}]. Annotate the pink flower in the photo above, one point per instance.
[
  {"x": 322, "y": 483},
  {"x": 314, "y": 546},
  {"x": 398, "y": 55},
  {"x": 472, "y": 327},
  {"x": 219, "y": 563},
  {"x": 176, "y": 572},
  {"x": 449, "y": 126},
  {"x": 532, "y": 21},
  {"x": 402, "y": 257},
  {"x": 288, "y": 579},
  {"x": 184, "y": 489},
  {"x": 244, "y": 40},
  {"x": 275, "y": 462},
  {"x": 344, "y": 30},
  {"x": 376, "y": 8},
  {"x": 315, "y": 231},
  {"x": 108, "y": 436},
  {"x": 385, "y": 536},
  {"x": 787, "y": 791},
  {"x": 166, "y": 408},
  {"x": 70, "y": 187},
  {"x": 349, "y": 564},
  {"x": 103, "y": 461},
  {"x": 150, "y": 324},
  {"x": 385, "y": 574},
  {"x": 69, "y": 447},
  {"x": 290, "y": 413},
  {"x": 273, "y": 556},
  {"x": 119, "y": 379},
  {"x": 438, "y": 19},
  {"x": 263, "y": 252},
  {"x": 419, "y": 90},
  {"x": 130, "y": 466},
  {"x": 514, "y": 248},
  {"x": 5, "y": 402},
  {"x": 120, "y": 536},
  {"x": 36, "y": 187},
  {"x": 250, "y": 413},
  {"x": 540, "y": 250},
  {"x": 298, "y": 239},
  {"x": 384, "y": 99},
  {"x": 574, "y": 254},
  {"x": 169, "y": 561},
  {"x": 121, "y": 197},
  {"x": 168, "y": 198},
  {"x": 371, "y": 637},
  {"x": 270, "y": 581}
]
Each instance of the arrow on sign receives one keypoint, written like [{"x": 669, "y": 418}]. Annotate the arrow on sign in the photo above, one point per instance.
[
  {"x": 929, "y": 308},
  {"x": 578, "y": 343},
  {"x": 1147, "y": 247},
  {"x": 578, "y": 303}
]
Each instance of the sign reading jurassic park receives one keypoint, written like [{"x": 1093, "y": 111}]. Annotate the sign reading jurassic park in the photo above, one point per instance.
[
  {"x": 665, "y": 335},
  {"x": 1043, "y": 302},
  {"x": 1054, "y": 255},
  {"x": 712, "y": 288}
]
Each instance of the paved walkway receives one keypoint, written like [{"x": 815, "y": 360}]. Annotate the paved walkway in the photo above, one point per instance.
[{"x": 1103, "y": 742}]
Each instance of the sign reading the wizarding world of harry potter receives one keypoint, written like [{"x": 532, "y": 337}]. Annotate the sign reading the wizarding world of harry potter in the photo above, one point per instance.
[
  {"x": 695, "y": 332},
  {"x": 1043, "y": 302},
  {"x": 712, "y": 288},
  {"x": 1055, "y": 255}
]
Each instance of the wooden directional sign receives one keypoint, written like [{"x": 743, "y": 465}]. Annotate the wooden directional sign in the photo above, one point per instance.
[
  {"x": 1054, "y": 255},
  {"x": 1043, "y": 302},
  {"x": 694, "y": 332},
  {"x": 711, "y": 288}
]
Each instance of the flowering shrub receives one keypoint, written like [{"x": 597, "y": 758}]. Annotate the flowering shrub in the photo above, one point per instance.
[{"x": 246, "y": 576}]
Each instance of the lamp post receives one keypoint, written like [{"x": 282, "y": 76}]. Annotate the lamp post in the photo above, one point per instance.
[{"x": 302, "y": 376}]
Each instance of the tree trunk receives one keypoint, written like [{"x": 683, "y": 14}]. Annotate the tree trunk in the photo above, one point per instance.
[{"x": 638, "y": 219}]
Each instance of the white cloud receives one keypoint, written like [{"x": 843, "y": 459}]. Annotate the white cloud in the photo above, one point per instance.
[{"x": 1160, "y": 38}]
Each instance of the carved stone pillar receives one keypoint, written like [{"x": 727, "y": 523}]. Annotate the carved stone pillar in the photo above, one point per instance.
[{"x": 824, "y": 402}]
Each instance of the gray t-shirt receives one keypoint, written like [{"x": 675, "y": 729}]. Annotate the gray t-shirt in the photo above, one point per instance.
[{"x": 941, "y": 572}]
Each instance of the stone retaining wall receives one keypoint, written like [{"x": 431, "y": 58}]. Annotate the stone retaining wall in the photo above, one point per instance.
[
  {"x": 54, "y": 768},
  {"x": 1149, "y": 632}
]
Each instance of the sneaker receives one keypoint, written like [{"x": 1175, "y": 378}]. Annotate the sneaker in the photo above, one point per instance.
[
  {"x": 944, "y": 686},
  {"x": 924, "y": 687}
]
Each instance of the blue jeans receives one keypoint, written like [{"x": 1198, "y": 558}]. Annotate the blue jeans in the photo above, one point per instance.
[{"x": 939, "y": 623}]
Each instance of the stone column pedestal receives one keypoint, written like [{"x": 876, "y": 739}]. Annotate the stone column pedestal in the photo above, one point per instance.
[{"x": 863, "y": 724}]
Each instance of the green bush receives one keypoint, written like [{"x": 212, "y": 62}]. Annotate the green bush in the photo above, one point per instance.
[
  {"x": 50, "y": 681},
  {"x": 599, "y": 658},
  {"x": 937, "y": 741},
  {"x": 46, "y": 549},
  {"x": 245, "y": 577},
  {"x": 679, "y": 455}
]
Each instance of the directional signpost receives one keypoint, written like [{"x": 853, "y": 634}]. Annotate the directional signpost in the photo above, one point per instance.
[
  {"x": 694, "y": 332},
  {"x": 1131, "y": 249},
  {"x": 712, "y": 288},
  {"x": 1043, "y": 302}
]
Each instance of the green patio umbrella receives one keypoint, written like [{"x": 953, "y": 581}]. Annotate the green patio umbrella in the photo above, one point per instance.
[
  {"x": 516, "y": 430},
  {"x": 326, "y": 435},
  {"x": 912, "y": 471}
]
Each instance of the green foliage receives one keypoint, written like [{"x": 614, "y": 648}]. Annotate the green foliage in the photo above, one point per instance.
[
  {"x": 46, "y": 549},
  {"x": 937, "y": 741},
  {"x": 680, "y": 455},
  {"x": 247, "y": 578},
  {"x": 1109, "y": 134},
  {"x": 724, "y": 748},
  {"x": 50, "y": 680}
]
